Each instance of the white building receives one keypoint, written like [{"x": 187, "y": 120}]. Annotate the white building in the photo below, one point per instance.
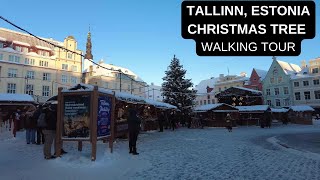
[
  {"x": 205, "y": 92},
  {"x": 154, "y": 92}
]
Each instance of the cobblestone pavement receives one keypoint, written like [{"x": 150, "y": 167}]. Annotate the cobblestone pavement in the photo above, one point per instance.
[{"x": 214, "y": 153}]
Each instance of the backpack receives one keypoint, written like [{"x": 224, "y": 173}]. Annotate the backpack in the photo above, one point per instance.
[{"x": 41, "y": 122}]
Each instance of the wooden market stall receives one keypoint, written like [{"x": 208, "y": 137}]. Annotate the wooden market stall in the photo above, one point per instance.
[
  {"x": 240, "y": 96},
  {"x": 214, "y": 115},
  {"x": 301, "y": 114},
  {"x": 279, "y": 114},
  {"x": 252, "y": 115}
]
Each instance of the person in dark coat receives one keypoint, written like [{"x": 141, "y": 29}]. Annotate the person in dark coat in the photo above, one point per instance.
[
  {"x": 133, "y": 127},
  {"x": 30, "y": 125},
  {"x": 173, "y": 120},
  {"x": 50, "y": 131},
  {"x": 40, "y": 135},
  {"x": 161, "y": 119},
  {"x": 268, "y": 119}
]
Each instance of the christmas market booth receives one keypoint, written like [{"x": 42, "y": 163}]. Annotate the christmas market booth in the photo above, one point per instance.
[
  {"x": 301, "y": 114},
  {"x": 240, "y": 96},
  {"x": 252, "y": 115},
  {"x": 279, "y": 114},
  {"x": 214, "y": 115},
  {"x": 11, "y": 103}
]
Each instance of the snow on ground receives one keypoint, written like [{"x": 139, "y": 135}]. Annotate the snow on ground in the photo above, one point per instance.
[{"x": 210, "y": 153}]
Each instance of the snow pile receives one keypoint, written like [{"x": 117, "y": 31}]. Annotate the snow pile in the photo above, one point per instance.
[
  {"x": 2, "y": 39},
  {"x": 253, "y": 108},
  {"x": 301, "y": 108},
  {"x": 261, "y": 73},
  {"x": 251, "y": 90},
  {"x": 21, "y": 43},
  {"x": 16, "y": 98},
  {"x": 289, "y": 68},
  {"x": 208, "y": 107},
  {"x": 44, "y": 48}
]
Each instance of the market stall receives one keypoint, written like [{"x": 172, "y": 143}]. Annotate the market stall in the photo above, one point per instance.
[
  {"x": 252, "y": 115},
  {"x": 301, "y": 114}
]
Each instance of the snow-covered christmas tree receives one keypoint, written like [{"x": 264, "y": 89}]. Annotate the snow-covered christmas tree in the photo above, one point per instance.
[{"x": 176, "y": 89}]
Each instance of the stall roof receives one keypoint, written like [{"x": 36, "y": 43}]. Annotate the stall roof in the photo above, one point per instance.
[
  {"x": 301, "y": 108},
  {"x": 252, "y": 108},
  {"x": 16, "y": 98},
  {"x": 122, "y": 96},
  {"x": 209, "y": 107},
  {"x": 279, "y": 110}
]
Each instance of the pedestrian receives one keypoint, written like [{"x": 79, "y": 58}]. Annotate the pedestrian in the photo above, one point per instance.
[
  {"x": 30, "y": 125},
  {"x": 173, "y": 120},
  {"x": 133, "y": 127},
  {"x": 268, "y": 119},
  {"x": 50, "y": 130},
  {"x": 16, "y": 122},
  {"x": 40, "y": 135},
  {"x": 161, "y": 119},
  {"x": 229, "y": 122}
]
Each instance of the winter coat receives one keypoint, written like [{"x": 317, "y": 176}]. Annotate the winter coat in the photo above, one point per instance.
[
  {"x": 51, "y": 118},
  {"x": 30, "y": 122},
  {"x": 161, "y": 118},
  {"x": 133, "y": 121}
]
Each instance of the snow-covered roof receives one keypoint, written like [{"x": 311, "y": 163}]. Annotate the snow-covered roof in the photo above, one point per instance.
[
  {"x": 44, "y": 48},
  {"x": 252, "y": 108},
  {"x": 21, "y": 43},
  {"x": 301, "y": 108},
  {"x": 261, "y": 73},
  {"x": 279, "y": 110},
  {"x": 202, "y": 86},
  {"x": 208, "y": 107},
  {"x": 122, "y": 96},
  {"x": 289, "y": 68},
  {"x": 304, "y": 73},
  {"x": 239, "y": 79},
  {"x": 251, "y": 90},
  {"x": 99, "y": 71},
  {"x": 10, "y": 50},
  {"x": 16, "y": 97},
  {"x": 3, "y": 39}
]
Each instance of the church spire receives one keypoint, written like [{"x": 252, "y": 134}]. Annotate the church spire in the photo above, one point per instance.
[{"x": 88, "y": 54}]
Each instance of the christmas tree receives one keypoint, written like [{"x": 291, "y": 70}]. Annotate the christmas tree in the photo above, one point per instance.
[{"x": 176, "y": 89}]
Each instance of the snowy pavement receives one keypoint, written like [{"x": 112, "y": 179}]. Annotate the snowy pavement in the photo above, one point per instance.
[{"x": 210, "y": 153}]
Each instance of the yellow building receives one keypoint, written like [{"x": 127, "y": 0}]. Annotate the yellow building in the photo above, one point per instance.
[
  {"x": 31, "y": 66},
  {"x": 108, "y": 75},
  {"x": 228, "y": 81}
]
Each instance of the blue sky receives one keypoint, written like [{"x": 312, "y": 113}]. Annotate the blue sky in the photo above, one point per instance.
[{"x": 140, "y": 35}]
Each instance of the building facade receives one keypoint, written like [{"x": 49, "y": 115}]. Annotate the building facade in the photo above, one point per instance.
[
  {"x": 228, "y": 81},
  {"x": 31, "y": 66},
  {"x": 277, "y": 87},
  {"x": 255, "y": 80},
  {"x": 154, "y": 92},
  {"x": 306, "y": 85},
  {"x": 205, "y": 92}
]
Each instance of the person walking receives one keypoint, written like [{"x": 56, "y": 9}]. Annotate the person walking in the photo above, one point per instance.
[
  {"x": 173, "y": 120},
  {"x": 134, "y": 127},
  {"x": 30, "y": 125},
  {"x": 229, "y": 122},
  {"x": 161, "y": 119},
  {"x": 40, "y": 135}
]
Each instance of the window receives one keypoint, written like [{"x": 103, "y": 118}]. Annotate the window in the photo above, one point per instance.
[
  {"x": 316, "y": 82},
  {"x": 140, "y": 89},
  {"x": 279, "y": 79},
  {"x": 69, "y": 55},
  {"x": 200, "y": 102},
  {"x": 285, "y": 90},
  {"x": 12, "y": 72},
  {"x": 268, "y": 91},
  {"x": 129, "y": 87},
  {"x": 73, "y": 79},
  {"x": 25, "y": 50},
  {"x": 43, "y": 63},
  {"x": 307, "y": 95},
  {"x": 305, "y": 83},
  {"x": 219, "y": 89},
  {"x": 296, "y": 84},
  {"x": 317, "y": 94},
  {"x": 29, "y": 61},
  {"x": 204, "y": 102},
  {"x": 1, "y": 56},
  {"x": 297, "y": 96},
  {"x": 272, "y": 80},
  {"x": 197, "y": 103},
  {"x": 208, "y": 101},
  {"x": 74, "y": 68},
  {"x": 286, "y": 102},
  {"x": 269, "y": 102},
  {"x": 46, "y": 77},
  {"x": 276, "y": 91},
  {"x": 11, "y": 58},
  {"x": 208, "y": 96},
  {"x": 18, "y": 48},
  {"x": 30, "y": 74},
  {"x": 44, "y": 53},
  {"x": 45, "y": 91},
  {"x": 315, "y": 70},
  {"x": 29, "y": 89},
  {"x": 64, "y": 78},
  {"x": 65, "y": 66},
  {"x": 11, "y": 89},
  {"x": 1, "y": 45},
  {"x": 278, "y": 102}
]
